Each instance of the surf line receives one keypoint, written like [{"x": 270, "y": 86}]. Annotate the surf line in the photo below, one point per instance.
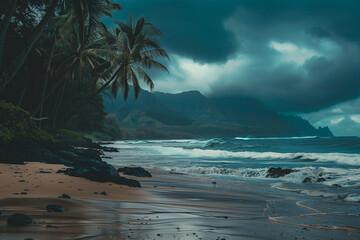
[{"x": 316, "y": 212}]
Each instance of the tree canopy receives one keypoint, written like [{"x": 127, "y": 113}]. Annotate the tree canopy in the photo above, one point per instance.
[{"x": 57, "y": 57}]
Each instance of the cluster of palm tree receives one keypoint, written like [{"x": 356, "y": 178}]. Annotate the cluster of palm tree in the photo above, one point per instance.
[{"x": 56, "y": 65}]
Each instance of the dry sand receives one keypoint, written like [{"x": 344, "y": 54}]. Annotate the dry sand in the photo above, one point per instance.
[{"x": 41, "y": 180}]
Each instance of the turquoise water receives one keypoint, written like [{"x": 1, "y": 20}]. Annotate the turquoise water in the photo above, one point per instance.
[{"x": 335, "y": 160}]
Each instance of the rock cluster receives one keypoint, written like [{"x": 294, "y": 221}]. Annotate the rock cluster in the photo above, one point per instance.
[
  {"x": 278, "y": 172},
  {"x": 83, "y": 159},
  {"x": 134, "y": 171}
]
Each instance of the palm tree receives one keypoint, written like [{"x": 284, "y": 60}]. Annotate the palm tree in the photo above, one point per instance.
[
  {"x": 5, "y": 25},
  {"x": 132, "y": 47},
  {"x": 79, "y": 46},
  {"x": 7, "y": 75},
  {"x": 87, "y": 14}
]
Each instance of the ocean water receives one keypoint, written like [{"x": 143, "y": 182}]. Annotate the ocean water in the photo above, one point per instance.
[{"x": 331, "y": 164}]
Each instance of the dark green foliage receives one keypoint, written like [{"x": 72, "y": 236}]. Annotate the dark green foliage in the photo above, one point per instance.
[
  {"x": 110, "y": 131},
  {"x": 16, "y": 123},
  {"x": 67, "y": 135},
  {"x": 169, "y": 120},
  {"x": 113, "y": 129},
  {"x": 80, "y": 110},
  {"x": 60, "y": 77}
]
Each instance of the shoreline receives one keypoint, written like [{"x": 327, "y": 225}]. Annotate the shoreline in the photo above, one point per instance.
[{"x": 166, "y": 207}]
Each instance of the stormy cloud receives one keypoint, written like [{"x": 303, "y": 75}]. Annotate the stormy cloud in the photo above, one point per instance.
[{"x": 295, "y": 56}]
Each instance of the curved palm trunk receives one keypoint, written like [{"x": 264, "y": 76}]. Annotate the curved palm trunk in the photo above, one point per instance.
[
  {"x": 7, "y": 75},
  {"x": 46, "y": 81},
  {"x": 49, "y": 94},
  {"x": 58, "y": 104},
  {"x": 23, "y": 92},
  {"x": 107, "y": 83},
  {"x": 5, "y": 26}
]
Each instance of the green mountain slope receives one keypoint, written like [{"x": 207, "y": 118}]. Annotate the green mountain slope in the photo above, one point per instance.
[{"x": 195, "y": 115}]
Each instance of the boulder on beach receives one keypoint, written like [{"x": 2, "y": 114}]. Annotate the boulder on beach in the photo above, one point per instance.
[
  {"x": 134, "y": 171},
  {"x": 64, "y": 195},
  {"x": 54, "y": 208},
  {"x": 19, "y": 219},
  {"x": 278, "y": 172},
  {"x": 101, "y": 172}
]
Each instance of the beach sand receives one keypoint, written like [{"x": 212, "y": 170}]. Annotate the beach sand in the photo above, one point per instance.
[{"x": 168, "y": 206}]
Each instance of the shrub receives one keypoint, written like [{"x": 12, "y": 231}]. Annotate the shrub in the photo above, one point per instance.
[{"x": 16, "y": 123}]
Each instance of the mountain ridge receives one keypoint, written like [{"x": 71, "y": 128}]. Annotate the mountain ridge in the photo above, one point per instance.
[{"x": 193, "y": 114}]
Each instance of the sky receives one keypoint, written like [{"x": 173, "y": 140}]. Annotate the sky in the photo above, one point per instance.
[{"x": 300, "y": 56}]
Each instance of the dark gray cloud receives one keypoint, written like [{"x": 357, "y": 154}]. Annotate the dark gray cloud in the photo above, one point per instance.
[
  {"x": 318, "y": 32},
  {"x": 319, "y": 82},
  {"x": 299, "y": 56},
  {"x": 191, "y": 28}
]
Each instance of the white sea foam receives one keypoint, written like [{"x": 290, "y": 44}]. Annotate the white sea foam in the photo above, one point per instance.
[
  {"x": 347, "y": 178},
  {"x": 341, "y": 158},
  {"x": 242, "y": 172},
  {"x": 274, "y": 138},
  {"x": 173, "y": 141},
  {"x": 213, "y": 142},
  {"x": 318, "y": 193},
  {"x": 353, "y": 198}
]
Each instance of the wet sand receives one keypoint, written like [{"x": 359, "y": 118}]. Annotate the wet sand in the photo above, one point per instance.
[{"x": 166, "y": 207}]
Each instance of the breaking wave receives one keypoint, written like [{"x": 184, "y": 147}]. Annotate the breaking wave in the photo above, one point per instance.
[
  {"x": 340, "y": 158},
  {"x": 257, "y": 173},
  {"x": 330, "y": 176},
  {"x": 274, "y": 138}
]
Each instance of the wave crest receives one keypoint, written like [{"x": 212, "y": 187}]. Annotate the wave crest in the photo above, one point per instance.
[{"x": 340, "y": 158}]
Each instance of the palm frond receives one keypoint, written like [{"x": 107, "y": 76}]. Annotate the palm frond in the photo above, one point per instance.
[
  {"x": 145, "y": 77},
  {"x": 135, "y": 82}
]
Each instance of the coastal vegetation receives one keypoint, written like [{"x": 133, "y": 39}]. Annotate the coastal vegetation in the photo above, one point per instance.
[{"x": 58, "y": 59}]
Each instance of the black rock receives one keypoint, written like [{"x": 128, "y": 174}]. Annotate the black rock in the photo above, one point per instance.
[
  {"x": 308, "y": 179},
  {"x": 83, "y": 158},
  {"x": 101, "y": 172},
  {"x": 278, "y": 172},
  {"x": 54, "y": 208},
  {"x": 23, "y": 150},
  {"x": 177, "y": 173},
  {"x": 104, "y": 193},
  {"x": 320, "y": 180},
  {"x": 64, "y": 195},
  {"x": 105, "y": 143},
  {"x": 135, "y": 171},
  {"x": 109, "y": 149},
  {"x": 19, "y": 219},
  {"x": 51, "y": 226}
]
